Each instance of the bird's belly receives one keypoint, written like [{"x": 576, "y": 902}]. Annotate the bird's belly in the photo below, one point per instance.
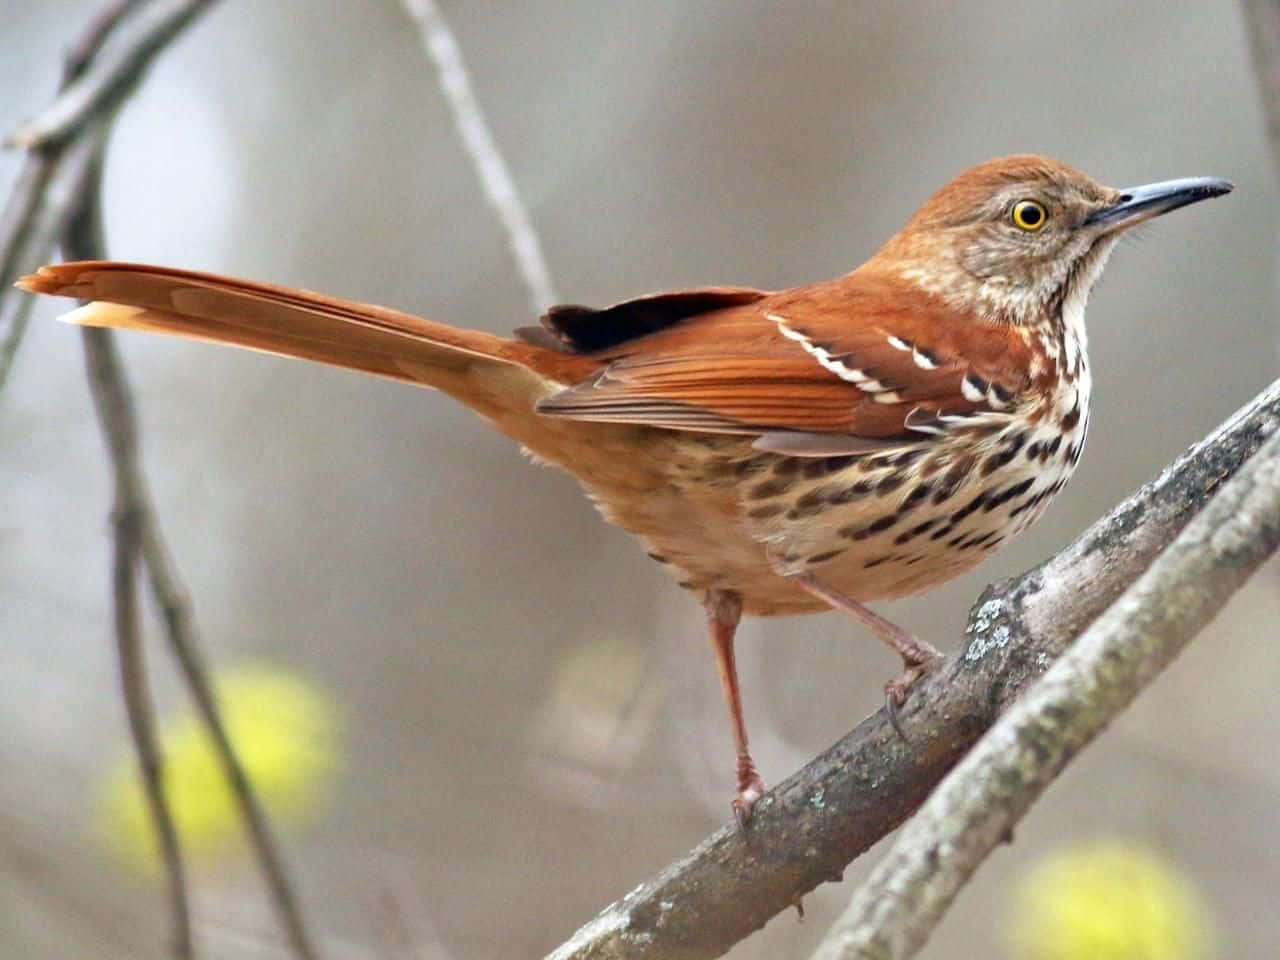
[{"x": 875, "y": 527}]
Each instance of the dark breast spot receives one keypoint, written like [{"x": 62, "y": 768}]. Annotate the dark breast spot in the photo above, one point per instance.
[
  {"x": 766, "y": 511},
  {"x": 884, "y": 523},
  {"x": 917, "y": 530},
  {"x": 917, "y": 496},
  {"x": 851, "y": 492},
  {"x": 854, "y": 532},
  {"x": 787, "y": 466},
  {"x": 821, "y": 466},
  {"x": 952, "y": 479},
  {"x": 1072, "y": 418},
  {"x": 891, "y": 482},
  {"x": 1009, "y": 493},
  {"x": 769, "y": 488},
  {"x": 815, "y": 498},
  {"x": 974, "y": 504},
  {"x": 1004, "y": 457},
  {"x": 825, "y": 556},
  {"x": 876, "y": 561}
]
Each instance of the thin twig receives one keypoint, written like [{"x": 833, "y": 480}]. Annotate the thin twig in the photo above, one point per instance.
[
  {"x": 807, "y": 829},
  {"x": 496, "y": 180},
  {"x": 59, "y": 195},
  {"x": 170, "y": 595},
  {"x": 892, "y": 914},
  {"x": 95, "y": 37},
  {"x": 28, "y": 227},
  {"x": 113, "y": 415},
  {"x": 16, "y": 224},
  {"x": 40, "y": 202},
  {"x": 51, "y": 185},
  {"x": 56, "y": 195},
  {"x": 139, "y": 532},
  {"x": 116, "y": 416},
  {"x": 110, "y": 77}
]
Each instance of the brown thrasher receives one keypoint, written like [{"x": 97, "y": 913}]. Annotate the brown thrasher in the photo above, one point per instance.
[{"x": 852, "y": 440}]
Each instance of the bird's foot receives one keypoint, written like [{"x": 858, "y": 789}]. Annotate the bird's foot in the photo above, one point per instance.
[
  {"x": 750, "y": 789},
  {"x": 918, "y": 659}
]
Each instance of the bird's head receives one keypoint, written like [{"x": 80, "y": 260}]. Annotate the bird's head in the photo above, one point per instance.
[{"x": 1016, "y": 237}]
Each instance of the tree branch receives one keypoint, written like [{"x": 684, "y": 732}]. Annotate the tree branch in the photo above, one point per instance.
[
  {"x": 810, "y": 827},
  {"x": 58, "y": 196},
  {"x": 116, "y": 416},
  {"x": 114, "y": 404},
  {"x": 892, "y": 914},
  {"x": 108, "y": 79},
  {"x": 486, "y": 159},
  {"x": 92, "y": 89},
  {"x": 138, "y": 534}
]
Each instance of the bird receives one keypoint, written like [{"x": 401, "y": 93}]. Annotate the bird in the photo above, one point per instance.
[{"x": 778, "y": 452}]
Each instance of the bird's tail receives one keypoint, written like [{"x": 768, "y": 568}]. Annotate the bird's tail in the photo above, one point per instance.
[{"x": 498, "y": 377}]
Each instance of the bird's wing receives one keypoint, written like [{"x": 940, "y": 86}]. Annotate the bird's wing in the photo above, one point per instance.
[{"x": 865, "y": 356}]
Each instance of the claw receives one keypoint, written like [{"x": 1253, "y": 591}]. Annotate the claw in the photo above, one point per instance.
[
  {"x": 896, "y": 690},
  {"x": 750, "y": 789},
  {"x": 891, "y": 711}
]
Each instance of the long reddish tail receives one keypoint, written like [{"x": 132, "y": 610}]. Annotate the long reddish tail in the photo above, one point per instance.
[{"x": 498, "y": 377}]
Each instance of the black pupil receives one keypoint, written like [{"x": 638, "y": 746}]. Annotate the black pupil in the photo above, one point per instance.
[{"x": 1031, "y": 214}]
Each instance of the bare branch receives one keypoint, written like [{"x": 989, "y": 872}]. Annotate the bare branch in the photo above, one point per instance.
[
  {"x": 499, "y": 187},
  {"x": 111, "y": 77},
  {"x": 58, "y": 195},
  {"x": 43, "y": 197},
  {"x": 169, "y": 593},
  {"x": 893, "y": 913},
  {"x": 28, "y": 231},
  {"x": 810, "y": 827},
  {"x": 134, "y": 502},
  {"x": 116, "y": 416},
  {"x": 113, "y": 406},
  {"x": 95, "y": 36}
]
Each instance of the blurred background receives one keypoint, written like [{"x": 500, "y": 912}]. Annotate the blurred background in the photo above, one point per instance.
[{"x": 519, "y": 717}]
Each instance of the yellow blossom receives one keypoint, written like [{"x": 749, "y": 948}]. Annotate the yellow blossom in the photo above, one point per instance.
[
  {"x": 1109, "y": 900},
  {"x": 283, "y": 729}
]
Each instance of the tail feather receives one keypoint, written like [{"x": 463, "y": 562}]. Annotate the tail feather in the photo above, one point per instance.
[{"x": 294, "y": 323}]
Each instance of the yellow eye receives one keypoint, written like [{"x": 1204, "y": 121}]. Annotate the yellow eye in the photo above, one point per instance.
[{"x": 1029, "y": 215}]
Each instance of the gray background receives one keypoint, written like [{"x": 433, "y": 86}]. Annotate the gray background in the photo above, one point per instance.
[{"x": 532, "y": 721}]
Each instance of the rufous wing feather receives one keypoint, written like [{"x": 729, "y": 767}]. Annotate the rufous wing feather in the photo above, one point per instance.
[{"x": 854, "y": 357}]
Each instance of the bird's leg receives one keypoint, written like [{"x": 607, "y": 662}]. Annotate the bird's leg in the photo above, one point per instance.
[
  {"x": 917, "y": 656},
  {"x": 724, "y": 610}
]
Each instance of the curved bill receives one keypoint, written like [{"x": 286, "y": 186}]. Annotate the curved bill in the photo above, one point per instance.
[{"x": 1137, "y": 204}]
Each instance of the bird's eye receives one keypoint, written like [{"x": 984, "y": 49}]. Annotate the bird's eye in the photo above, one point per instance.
[{"x": 1029, "y": 215}]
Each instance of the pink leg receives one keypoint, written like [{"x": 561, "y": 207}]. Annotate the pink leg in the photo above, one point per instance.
[
  {"x": 724, "y": 609},
  {"x": 917, "y": 656}
]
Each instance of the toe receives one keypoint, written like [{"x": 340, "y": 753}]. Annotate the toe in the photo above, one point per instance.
[{"x": 748, "y": 794}]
